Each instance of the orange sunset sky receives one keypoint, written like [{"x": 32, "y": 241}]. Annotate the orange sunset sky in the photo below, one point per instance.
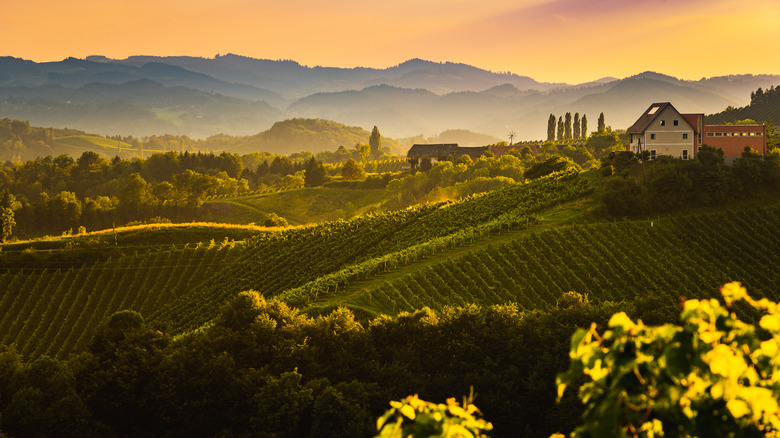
[{"x": 550, "y": 40}]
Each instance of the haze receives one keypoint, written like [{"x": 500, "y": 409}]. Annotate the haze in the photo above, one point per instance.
[{"x": 570, "y": 41}]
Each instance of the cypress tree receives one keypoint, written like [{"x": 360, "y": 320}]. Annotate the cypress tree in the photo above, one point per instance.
[
  {"x": 560, "y": 128},
  {"x": 375, "y": 142},
  {"x": 584, "y": 126},
  {"x": 551, "y": 128},
  {"x": 602, "y": 126},
  {"x": 567, "y": 127},
  {"x": 576, "y": 125}
]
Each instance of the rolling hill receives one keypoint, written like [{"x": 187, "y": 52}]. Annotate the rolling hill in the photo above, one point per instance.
[
  {"x": 284, "y": 137},
  {"x": 526, "y": 244}
]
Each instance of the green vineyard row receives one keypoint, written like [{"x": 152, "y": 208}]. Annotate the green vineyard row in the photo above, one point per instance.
[{"x": 688, "y": 256}]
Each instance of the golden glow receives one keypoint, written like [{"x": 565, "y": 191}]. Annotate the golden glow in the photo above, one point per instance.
[{"x": 550, "y": 40}]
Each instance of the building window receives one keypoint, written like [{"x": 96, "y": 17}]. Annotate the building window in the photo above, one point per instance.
[
  {"x": 663, "y": 122},
  {"x": 652, "y": 154},
  {"x": 676, "y": 123},
  {"x": 710, "y": 134},
  {"x": 685, "y": 154},
  {"x": 652, "y": 136},
  {"x": 685, "y": 136},
  {"x": 718, "y": 134},
  {"x": 759, "y": 134}
]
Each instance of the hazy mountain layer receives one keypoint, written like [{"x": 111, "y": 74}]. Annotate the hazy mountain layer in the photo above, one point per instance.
[{"x": 235, "y": 95}]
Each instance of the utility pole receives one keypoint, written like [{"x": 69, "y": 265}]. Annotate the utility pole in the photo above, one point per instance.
[{"x": 642, "y": 157}]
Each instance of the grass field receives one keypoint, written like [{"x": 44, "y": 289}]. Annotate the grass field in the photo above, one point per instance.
[
  {"x": 100, "y": 145},
  {"x": 302, "y": 206}
]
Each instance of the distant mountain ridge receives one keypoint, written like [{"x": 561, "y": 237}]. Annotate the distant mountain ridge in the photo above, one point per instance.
[
  {"x": 293, "y": 80},
  {"x": 236, "y": 95}
]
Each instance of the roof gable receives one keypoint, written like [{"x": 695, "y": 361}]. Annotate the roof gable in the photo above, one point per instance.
[{"x": 648, "y": 117}]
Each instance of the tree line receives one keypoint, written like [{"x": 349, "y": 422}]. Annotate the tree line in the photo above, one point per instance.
[
  {"x": 264, "y": 369},
  {"x": 568, "y": 129},
  {"x": 56, "y": 194},
  {"x": 635, "y": 187},
  {"x": 760, "y": 96}
]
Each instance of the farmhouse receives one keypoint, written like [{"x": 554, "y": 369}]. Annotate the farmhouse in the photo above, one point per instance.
[{"x": 662, "y": 130}]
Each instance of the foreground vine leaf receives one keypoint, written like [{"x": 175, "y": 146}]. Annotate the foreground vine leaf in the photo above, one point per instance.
[
  {"x": 711, "y": 376},
  {"x": 413, "y": 417}
]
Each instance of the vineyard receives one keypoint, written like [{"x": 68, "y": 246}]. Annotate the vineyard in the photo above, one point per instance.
[
  {"x": 687, "y": 256},
  {"x": 768, "y": 110},
  {"x": 55, "y": 293},
  {"x": 274, "y": 263},
  {"x": 55, "y": 311}
]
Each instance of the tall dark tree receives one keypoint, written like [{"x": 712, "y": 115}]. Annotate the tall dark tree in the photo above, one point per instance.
[
  {"x": 375, "y": 141},
  {"x": 576, "y": 126},
  {"x": 567, "y": 127},
  {"x": 551, "y": 128},
  {"x": 584, "y": 126},
  {"x": 602, "y": 126},
  {"x": 560, "y": 129},
  {"x": 315, "y": 174}
]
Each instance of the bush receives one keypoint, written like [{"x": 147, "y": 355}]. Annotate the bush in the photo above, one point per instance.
[
  {"x": 274, "y": 220},
  {"x": 556, "y": 163},
  {"x": 624, "y": 197}
]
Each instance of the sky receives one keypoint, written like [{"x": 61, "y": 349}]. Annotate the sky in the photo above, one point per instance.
[{"x": 570, "y": 41}]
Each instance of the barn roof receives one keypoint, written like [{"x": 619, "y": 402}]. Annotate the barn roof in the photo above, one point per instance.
[
  {"x": 441, "y": 150},
  {"x": 432, "y": 150}
]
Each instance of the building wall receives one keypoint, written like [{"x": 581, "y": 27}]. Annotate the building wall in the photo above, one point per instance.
[
  {"x": 732, "y": 139},
  {"x": 672, "y": 139},
  {"x": 697, "y": 122}
]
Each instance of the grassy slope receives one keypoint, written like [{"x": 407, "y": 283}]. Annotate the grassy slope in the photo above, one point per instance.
[
  {"x": 303, "y": 206},
  {"x": 80, "y": 143}
]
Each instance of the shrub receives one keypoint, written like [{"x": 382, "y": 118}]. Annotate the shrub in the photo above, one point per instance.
[{"x": 556, "y": 163}]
